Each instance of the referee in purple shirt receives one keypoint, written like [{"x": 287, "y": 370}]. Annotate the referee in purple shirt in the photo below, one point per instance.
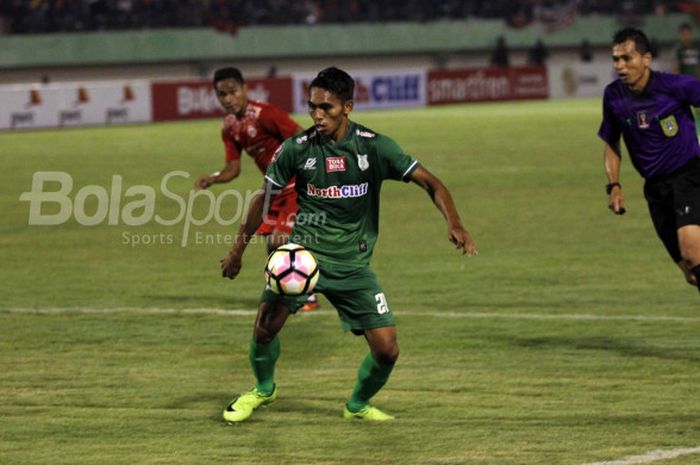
[{"x": 652, "y": 112}]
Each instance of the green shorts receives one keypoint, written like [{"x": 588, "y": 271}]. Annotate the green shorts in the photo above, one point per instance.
[{"x": 354, "y": 292}]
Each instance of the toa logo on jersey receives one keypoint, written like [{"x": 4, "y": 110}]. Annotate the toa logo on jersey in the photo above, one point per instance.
[{"x": 334, "y": 164}]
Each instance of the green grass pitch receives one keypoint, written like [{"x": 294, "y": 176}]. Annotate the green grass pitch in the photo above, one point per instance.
[{"x": 571, "y": 339}]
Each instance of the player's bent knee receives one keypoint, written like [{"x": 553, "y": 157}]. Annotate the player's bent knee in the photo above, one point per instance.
[
  {"x": 262, "y": 336},
  {"x": 387, "y": 356}
]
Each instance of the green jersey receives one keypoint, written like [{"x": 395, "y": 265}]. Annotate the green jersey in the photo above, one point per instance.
[
  {"x": 338, "y": 186},
  {"x": 688, "y": 58}
]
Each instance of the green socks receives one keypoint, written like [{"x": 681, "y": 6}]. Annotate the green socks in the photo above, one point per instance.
[
  {"x": 262, "y": 359},
  {"x": 370, "y": 379}
]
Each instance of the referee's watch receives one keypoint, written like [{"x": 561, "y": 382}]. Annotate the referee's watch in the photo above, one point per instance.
[{"x": 611, "y": 186}]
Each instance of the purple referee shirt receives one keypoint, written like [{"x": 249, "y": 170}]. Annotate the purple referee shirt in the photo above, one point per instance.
[{"x": 657, "y": 125}]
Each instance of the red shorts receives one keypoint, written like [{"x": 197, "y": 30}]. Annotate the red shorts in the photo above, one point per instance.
[{"x": 281, "y": 214}]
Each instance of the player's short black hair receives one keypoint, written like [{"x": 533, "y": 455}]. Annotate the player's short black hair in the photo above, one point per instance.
[
  {"x": 228, "y": 73},
  {"x": 336, "y": 81},
  {"x": 641, "y": 41}
]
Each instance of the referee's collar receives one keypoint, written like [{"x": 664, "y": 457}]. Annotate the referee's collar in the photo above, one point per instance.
[{"x": 647, "y": 88}]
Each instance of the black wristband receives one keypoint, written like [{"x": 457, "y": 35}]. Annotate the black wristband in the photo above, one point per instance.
[{"x": 611, "y": 186}]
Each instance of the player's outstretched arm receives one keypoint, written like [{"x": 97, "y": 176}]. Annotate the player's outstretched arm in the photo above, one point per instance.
[
  {"x": 229, "y": 173},
  {"x": 612, "y": 161},
  {"x": 231, "y": 264},
  {"x": 442, "y": 199}
]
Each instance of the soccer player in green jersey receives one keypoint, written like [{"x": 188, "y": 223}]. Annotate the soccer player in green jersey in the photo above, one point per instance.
[
  {"x": 688, "y": 60},
  {"x": 339, "y": 167},
  {"x": 687, "y": 52}
]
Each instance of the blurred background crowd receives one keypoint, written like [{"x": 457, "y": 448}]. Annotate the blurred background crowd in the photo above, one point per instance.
[{"x": 38, "y": 16}]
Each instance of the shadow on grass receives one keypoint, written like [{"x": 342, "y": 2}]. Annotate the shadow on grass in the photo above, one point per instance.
[
  {"x": 204, "y": 401},
  {"x": 314, "y": 407},
  {"x": 198, "y": 398},
  {"x": 624, "y": 348},
  {"x": 209, "y": 301}
]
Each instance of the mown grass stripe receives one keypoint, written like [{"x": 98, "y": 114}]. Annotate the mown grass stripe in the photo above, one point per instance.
[{"x": 446, "y": 314}]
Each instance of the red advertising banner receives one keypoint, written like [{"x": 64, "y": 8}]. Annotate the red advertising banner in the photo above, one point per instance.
[
  {"x": 487, "y": 84},
  {"x": 197, "y": 99}
]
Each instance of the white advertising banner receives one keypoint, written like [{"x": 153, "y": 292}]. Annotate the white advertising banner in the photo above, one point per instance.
[
  {"x": 572, "y": 80},
  {"x": 373, "y": 89},
  {"x": 74, "y": 104}
]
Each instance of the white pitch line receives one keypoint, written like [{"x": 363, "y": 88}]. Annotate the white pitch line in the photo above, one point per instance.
[
  {"x": 143, "y": 311},
  {"x": 446, "y": 314},
  {"x": 554, "y": 316},
  {"x": 653, "y": 456}
]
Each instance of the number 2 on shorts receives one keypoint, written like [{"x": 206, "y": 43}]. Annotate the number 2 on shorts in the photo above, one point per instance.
[{"x": 382, "y": 305}]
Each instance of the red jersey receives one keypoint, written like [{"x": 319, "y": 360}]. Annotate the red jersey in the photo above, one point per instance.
[{"x": 260, "y": 131}]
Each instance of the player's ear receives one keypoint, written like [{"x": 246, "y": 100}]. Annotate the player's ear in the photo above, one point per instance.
[
  {"x": 647, "y": 58},
  {"x": 347, "y": 107}
]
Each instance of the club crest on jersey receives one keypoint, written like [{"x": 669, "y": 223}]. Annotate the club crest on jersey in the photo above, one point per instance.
[
  {"x": 252, "y": 132},
  {"x": 642, "y": 119},
  {"x": 334, "y": 164},
  {"x": 669, "y": 126},
  {"x": 362, "y": 162}
]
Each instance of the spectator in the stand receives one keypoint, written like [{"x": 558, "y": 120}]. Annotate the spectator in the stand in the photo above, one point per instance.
[
  {"x": 4, "y": 23},
  {"x": 687, "y": 54},
  {"x": 585, "y": 51},
  {"x": 500, "y": 57},
  {"x": 36, "y": 16},
  {"x": 538, "y": 53},
  {"x": 312, "y": 12},
  {"x": 521, "y": 14}
]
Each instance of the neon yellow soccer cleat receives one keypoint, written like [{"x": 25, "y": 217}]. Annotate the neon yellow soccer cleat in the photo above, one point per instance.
[
  {"x": 241, "y": 408},
  {"x": 368, "y": 413}
]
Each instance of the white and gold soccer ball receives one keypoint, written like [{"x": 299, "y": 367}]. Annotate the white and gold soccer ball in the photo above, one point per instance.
[{"x": 291, "y": 270}]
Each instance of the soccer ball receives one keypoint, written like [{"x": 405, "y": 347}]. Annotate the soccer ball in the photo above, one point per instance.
[{"x": 291, "y": 270}]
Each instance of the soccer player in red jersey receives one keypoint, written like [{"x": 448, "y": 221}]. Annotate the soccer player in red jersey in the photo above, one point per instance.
[{"x": 258, "y": 129}]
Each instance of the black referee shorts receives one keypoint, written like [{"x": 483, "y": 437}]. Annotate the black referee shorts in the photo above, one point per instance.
[{"x": 674, "y": 201}]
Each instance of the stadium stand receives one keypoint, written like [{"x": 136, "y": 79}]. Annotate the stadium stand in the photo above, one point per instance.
[{"x": 42, "y": 16}]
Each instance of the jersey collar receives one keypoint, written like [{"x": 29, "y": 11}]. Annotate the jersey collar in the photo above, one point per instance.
[
  {"x": 651, "y": 83},
  {"x": 348, "y": 134}
]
